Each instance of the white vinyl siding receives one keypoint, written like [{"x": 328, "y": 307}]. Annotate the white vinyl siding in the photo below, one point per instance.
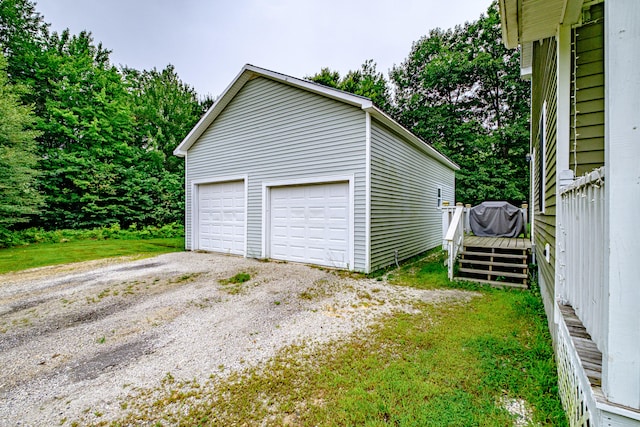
[
  {"x": 404, "y": 184},
  {"x": 271, "y": 131}
]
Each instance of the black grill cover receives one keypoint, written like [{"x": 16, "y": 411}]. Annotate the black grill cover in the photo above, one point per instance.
[{"x": 496, "y": 219}]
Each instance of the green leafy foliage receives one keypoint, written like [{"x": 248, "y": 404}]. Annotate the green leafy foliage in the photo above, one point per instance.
[
  {"x": 113, "y": 231},
  {"x": 19, "y": 197},
  {"x": 366, "y": 81},
  {"x": 88, "y": 158},
  {"x": 106, "y": 135},
  {"x": 460, "y": 90},
  {"x": 22, "y": 30},
  {"x": 166, "y": 109}
]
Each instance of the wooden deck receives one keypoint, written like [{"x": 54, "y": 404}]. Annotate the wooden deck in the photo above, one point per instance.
[
  {"x": 590, "y": 356},
  {"x": 498, "y": 261},
  {"x": 522, "y": 243}
]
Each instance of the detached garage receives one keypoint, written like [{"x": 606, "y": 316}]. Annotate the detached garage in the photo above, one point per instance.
[{"x": 287, "y": 169}]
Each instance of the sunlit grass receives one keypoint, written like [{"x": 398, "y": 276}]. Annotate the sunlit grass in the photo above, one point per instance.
[{"x": 43, "y": 254}]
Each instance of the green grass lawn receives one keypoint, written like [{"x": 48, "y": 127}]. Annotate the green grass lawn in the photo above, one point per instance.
[
  {"x": 43, "y": 254},
  {"x": 449, "y": 364}
]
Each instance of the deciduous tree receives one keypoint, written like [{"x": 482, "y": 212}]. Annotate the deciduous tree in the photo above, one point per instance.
[
  {"x": 366, "y": 81},
  {"x": 19, "y": 197},
  {"x": 165, "y": 110},
  {"x": 106, "y": 135},
  {"x": 460, "y": 90}
]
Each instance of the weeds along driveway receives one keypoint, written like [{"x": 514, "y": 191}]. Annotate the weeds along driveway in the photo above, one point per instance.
[{"x": 77, "y": 341}]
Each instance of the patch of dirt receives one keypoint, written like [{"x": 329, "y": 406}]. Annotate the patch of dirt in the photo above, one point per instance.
[
  {"x": 139, "y": 267},
  {"x": 110, "y": 358},
  {"x": 52, "y": 270},
  {"x": 75, "y": 339}
]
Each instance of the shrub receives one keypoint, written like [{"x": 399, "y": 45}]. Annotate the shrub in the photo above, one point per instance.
[{"x": 113, "y": 231}]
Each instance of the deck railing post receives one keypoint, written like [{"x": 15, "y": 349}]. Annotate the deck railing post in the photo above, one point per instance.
[
  {"x": 454, "y": 237},
  {"x": 467, "y": 225},
  {"x": 446, "y": 219},
  {"x": 581, "y": 252}
]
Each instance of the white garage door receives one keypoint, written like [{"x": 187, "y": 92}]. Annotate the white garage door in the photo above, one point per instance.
[
  {"x": 221, "y": 217},
  {"x": 310, "y": 223}
]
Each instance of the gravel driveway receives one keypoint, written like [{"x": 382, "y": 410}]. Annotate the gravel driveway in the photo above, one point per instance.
[{"x": 75, "y": 339}]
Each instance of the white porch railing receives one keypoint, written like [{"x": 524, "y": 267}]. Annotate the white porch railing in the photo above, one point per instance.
[
  {"x": 453, "y": 224},
  {"x": 581, "y": 252}
]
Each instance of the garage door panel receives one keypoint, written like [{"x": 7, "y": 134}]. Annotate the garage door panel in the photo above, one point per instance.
[
  {"x": 221, "y": 217},
  {"x": 296, "y": 213},
  {"x": 310, "y": 224},
  {"x": 337, "y": 212},
  {"x": 316, "y": 255},
  {"x": 337, "y": 237},
  {"x": 316, "y": 233},
  {"x": 315, "y": 213},
  {"x": 279, "y": 231}
]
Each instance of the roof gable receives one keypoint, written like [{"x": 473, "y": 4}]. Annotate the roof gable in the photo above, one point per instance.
[{"x": 250, "y": 72}]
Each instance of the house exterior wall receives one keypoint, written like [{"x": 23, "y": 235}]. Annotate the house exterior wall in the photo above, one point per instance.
[
  {"x": 544, "y": 103},
  {"x": 404, "y": 188},
  {"x": 587, "y": 89},
  {"x": 274, "y": 132}
]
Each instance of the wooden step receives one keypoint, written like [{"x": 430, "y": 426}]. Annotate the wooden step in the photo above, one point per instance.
[
  {"x": 494, "y": 283},
  {"x": 490, "y": 249},
  {"x": 493, "y": 263},
  {"x": 493, "y": 273},
  {"x": 590, "y": 356},
  {"x": 500, "y": 262},
  {"x": 578, "y": 332},
  {"x": 494, "y": 254}
]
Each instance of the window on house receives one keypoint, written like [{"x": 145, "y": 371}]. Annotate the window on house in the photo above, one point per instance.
[
  {"x": 542, "y": 158},
  {"x": 439, "y": 197}
]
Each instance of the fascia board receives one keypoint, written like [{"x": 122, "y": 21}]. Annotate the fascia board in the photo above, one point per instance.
[
  {"x": 509, "y": 22},
  {"x": 346, "y": 97}
]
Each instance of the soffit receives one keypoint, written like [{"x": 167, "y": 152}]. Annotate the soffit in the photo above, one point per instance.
[{"x": 526, "y": 21}]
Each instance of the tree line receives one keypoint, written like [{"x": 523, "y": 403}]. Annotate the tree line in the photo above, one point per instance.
[
  {"x": 85, "y": 144},
  {"x": 459, "y": 90}
]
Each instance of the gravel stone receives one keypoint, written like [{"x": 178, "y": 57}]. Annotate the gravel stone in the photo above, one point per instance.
[{"x": 75, "y": 339}]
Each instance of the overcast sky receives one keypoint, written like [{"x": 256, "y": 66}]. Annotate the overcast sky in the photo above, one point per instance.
[{"x": 208, "y": 41}]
